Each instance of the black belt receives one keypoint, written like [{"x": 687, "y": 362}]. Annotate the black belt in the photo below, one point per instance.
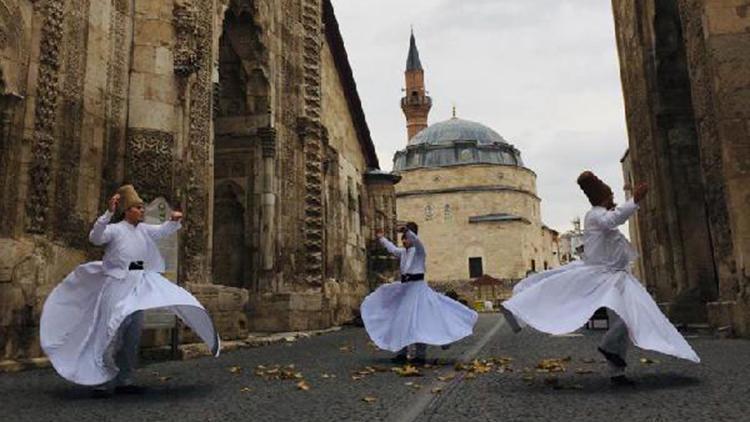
[
  {"x": 405, "y": 278},
  {"x": 135, "y": 266}
]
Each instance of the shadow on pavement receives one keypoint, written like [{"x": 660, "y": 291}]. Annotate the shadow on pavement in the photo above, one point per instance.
[{"x": 151, "y": 394}]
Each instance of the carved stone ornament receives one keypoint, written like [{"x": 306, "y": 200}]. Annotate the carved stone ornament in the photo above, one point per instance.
[
  {"x": 149, "y": 162},
  {"x": 40, "y": 169},
  {"x": 187, "y": 54}
]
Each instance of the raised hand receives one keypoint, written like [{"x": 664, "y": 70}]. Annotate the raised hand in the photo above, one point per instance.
[
  {"x": 640, "y": 192},
  {"x": 379, "y": 233},
  {"x": 176, "y": 216},
  {"x": 114, "y": 201}
]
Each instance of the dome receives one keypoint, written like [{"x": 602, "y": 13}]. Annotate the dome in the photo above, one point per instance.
[
  {"x": 456, "y": 142},
  {"x": 456, "y": 129}
]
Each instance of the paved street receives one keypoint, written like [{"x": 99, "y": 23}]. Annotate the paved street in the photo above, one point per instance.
[{"x": 349, "y": 380}]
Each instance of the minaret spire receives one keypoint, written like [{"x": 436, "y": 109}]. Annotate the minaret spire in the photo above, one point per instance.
[{"x": 416, "y": 104}]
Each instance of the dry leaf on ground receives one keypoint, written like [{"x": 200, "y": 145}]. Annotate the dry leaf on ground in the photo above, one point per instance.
[
  {"x": 302, "y": 385},
  {"x": 235, "y": 369},
  {"x": 407, "y": 371},
  {"x": 369, "y": 399}
]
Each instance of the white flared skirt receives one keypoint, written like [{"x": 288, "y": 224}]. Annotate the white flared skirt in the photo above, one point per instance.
[
  {"x": 562, "y": 300},
  {"x": 82, "y": 315},
  {"x": 399, "y": 314}
]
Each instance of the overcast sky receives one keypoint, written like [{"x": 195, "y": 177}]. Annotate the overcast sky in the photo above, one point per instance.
[{"x": 544, "y": 74}]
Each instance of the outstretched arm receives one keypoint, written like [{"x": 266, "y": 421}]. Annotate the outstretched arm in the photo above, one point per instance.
[
  {"x": 618, "y": 216},
  {"x": 393, "y": 249},
  {"x": 166, "y": 228},
  {"x": 613, "y": 218},
  {"x": 101, "y": 234}
]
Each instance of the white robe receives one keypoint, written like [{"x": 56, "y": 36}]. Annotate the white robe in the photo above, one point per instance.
[
  {"x": 83, "y": 313},
  {"x": 562, "y": 300},
  {"x": 398, "y": 314}
]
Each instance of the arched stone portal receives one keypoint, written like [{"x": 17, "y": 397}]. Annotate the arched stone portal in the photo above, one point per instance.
[{"x": 242, "y": 117}]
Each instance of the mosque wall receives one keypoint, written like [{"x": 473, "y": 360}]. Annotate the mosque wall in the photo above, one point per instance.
[
  {"x": 243, "y": 114},
  {"x": 477, "y": 219}
]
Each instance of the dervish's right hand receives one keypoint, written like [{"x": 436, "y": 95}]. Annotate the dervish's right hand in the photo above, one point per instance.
[
  {"x": 640, "y": 192},
  {"x": 114, "y": 202},
  {"x": 379, "y": 233}
]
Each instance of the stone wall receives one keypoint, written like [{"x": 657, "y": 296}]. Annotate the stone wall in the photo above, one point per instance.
[
  {"x": 685, "y": 80},
  {"x": 243, "y": 114}
]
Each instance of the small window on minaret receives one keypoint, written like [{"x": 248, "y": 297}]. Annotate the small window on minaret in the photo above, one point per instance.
[{"x": 414, "y": 93}]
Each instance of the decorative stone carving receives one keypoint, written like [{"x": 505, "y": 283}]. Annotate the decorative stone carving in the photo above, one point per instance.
[
  {"x": 117, "y": 81},
  {"x": 311, "y": 47},
  {"x": 195, "y": 172},
  {"x": 40, "y": 169},
  {"x": 187, "y": 54},
  {"x": 69, "y": 225},
  {"x": 149, "y": 162}
]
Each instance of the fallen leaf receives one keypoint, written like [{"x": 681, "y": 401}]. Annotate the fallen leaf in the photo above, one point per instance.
[
  {"x": 302, "y": 385},
  {"x": 583, "y": 371},
  {"x": 588, "y": 360},
  {"x": 345, "y": 348},
  {"x": 407, "y": 371},
  {"x": 552, "y": 365},
  {"x": 437, "y": 390},
  {"x": 235, "y": 369},
  {"x": 356, "y": 377},
  {"x": 369, "y": 399},
  {"x": 164, "y": 379},
  {"x": 447, "y": 377},
  {"x": 246, "y": 390},
  {"x": 647, "y": 361},
  {"x": 290, "y": 339}
]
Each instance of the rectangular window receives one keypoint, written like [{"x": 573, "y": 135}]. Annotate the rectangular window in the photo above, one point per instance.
[{"x": 475, "y": 267}]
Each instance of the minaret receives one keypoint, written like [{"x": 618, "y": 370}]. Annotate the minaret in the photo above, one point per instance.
[{"x": 415, "y": 104}]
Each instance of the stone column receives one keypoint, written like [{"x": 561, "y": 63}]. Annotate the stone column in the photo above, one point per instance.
[{"x": 268, "y": 199}]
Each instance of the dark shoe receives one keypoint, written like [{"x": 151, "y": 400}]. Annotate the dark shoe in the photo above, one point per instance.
[
  {"x": 399, "y": 359},
  {"x": 613, "y": 358},
  {"x": 622, "y": 381},
  {"x": 101, "y": 394},
  {"x": 129, "y": 389},
  {"x": 419, "y": 362}
]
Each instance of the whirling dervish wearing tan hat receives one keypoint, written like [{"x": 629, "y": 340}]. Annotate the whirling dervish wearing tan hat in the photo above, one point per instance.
[
  {"x": 91, "y": 322},
  {"x": 561, "y": 300}
]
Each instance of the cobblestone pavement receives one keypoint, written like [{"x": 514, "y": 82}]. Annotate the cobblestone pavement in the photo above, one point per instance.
[{"x": 342, "y": 387}]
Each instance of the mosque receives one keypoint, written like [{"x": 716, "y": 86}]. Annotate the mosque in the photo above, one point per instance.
[{"x": 468, "y": 189}]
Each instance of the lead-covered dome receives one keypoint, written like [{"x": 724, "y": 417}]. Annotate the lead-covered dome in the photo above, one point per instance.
[
  {"x": 456, "y": 129},
  {"x": 456, "y": 142}
]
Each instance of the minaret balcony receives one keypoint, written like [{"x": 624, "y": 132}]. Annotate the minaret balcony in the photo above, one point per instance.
[{"x": 416, "y": 100}]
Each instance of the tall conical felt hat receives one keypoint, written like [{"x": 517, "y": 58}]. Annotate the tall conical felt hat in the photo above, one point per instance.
[
  {"x": 128, "y": 197},
  {"x": 596, "y": 190}
]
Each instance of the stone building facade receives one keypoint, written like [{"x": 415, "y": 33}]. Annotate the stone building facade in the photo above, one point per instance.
[
  {"x": 469, "y": 191},
  {"x": 685, "y": 69},
  {"x": 242, "y": 113}
]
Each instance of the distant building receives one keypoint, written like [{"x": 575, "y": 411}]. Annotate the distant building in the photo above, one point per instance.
[
  {"x": 469, "y": 191},
  {"x": 571, "y": 244}
]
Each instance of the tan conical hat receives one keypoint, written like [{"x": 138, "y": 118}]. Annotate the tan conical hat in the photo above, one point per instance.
[{"x": 128, "y": 197}]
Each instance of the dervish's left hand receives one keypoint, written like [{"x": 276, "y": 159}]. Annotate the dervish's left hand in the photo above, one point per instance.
[{"x": 176, "y": 216}]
